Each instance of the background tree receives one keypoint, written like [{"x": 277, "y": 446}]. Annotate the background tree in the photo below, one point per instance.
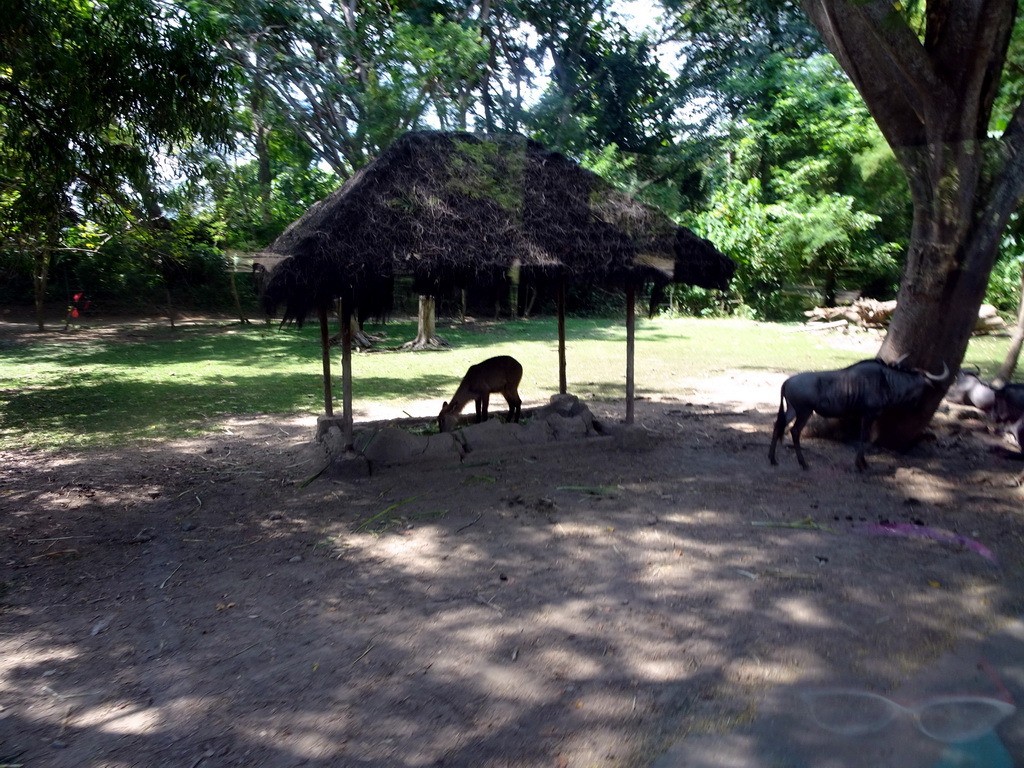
[
  {"x": 349, "y": 78},
  {"x": 730, "y": 51},
  {"x": 796, "y": 187},
  {"x": 1007, "y": 282},
  {"x": 930, "y": 74},
  {"x": 721, "y": 113},
  {"x": 91, "y": 96}
]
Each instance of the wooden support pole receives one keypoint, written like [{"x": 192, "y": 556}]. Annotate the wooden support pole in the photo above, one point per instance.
[
  {"x": 630, "y": 348},
  {"x": 346, "y": 372},
  {"x": 234, "y": 295},
  {"x": 562, "y": 382},
  {"x": 325, "y": 349}
]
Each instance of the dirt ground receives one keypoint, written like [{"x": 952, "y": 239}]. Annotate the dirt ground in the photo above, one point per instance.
[{"x": 206, "y": 603}]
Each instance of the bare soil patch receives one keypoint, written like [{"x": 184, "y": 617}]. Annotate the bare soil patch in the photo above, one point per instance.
[{"x": 203, "y": 603}]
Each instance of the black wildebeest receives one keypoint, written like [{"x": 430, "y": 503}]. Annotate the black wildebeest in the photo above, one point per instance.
[
  {"x": 1002, "y": 405},
  {"x": 864, "y": 389},
  {"x": 968, "y": 389}
]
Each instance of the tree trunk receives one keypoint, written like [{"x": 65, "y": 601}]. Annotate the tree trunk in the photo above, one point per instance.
[
  {"x": 261, "y": 135},
  {"x": 513, "y": 293},
  {"x": 931, "y": 96},
  {"x": 426, "y": 337},
  {"x": 1016, "y": 341},
  {"x": 952, "y": 250},
  {"x": 264, "y": 179},
  {"x": 41, "y": 276},
  {"x": 531, "y": 297},
  {"x": 170, "y": 307},
  {"x": 357, "y": 338},
  {"x": 829, "y": 288}
]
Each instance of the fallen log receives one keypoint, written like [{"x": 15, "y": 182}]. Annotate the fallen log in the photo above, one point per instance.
[
  {"x": 871, "y": 313},
  {"x": 823, "y": 326}
]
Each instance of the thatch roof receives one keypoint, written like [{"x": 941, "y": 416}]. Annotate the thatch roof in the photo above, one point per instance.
[{"x": 455, "y": 209}]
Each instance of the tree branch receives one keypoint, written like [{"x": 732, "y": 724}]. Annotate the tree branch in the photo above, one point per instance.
[
  {"x": 884, "y": 59},
  {"x": 956, "y": 32},
  {"x": 1008, "y": 185}
]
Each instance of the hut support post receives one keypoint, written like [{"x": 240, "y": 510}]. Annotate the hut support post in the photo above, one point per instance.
[
  {"x": 346, "y": 372},
  {"x": 562, "y": 383},
  {"x": 630, "y": 348},
  {"x": 325, "y": 348},
  {"x": 238, "y": 302}
]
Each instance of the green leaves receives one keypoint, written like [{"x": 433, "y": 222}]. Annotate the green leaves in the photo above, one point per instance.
[
  {"x": 808, "y": 197},
  {"x": 90, "y": 94}
]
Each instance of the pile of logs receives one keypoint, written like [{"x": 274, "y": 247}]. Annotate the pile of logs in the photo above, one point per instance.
[{"x": 871, "y": 313}]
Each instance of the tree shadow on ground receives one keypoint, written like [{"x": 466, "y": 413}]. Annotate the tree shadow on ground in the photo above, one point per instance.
[{"x": 191, "y": 604}]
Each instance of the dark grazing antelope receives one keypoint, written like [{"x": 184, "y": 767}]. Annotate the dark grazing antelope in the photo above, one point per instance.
[{"x": 496, "y": 374}]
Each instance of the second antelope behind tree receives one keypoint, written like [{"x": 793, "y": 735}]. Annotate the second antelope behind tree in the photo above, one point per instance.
[{"x": 496, "y": 374}]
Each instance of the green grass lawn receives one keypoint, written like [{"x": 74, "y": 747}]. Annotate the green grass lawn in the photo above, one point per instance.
[{"x": 73, "y": 392}]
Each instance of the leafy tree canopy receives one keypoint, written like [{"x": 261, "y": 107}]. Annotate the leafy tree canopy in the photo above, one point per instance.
[{"x": 91, "y": 94}]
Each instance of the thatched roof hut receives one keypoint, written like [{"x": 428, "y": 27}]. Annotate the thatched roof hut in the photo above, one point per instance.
[{"x": 453, "y": 210}]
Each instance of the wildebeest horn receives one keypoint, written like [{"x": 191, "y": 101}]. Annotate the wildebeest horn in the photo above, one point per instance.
[
  {"x": 900, "y": 359},
  {"x": 942, "y": 376}
]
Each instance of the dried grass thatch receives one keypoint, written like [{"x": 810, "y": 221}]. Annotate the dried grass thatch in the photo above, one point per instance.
[{"x": 454, "y": 209}]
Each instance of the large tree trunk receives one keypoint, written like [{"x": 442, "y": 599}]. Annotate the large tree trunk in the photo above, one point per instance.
[
  {"x": 943, "y": 285},
  {"x": 932, "y": 98}
]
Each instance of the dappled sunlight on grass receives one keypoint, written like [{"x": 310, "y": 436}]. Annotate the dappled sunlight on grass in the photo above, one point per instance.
[
  {"x": 118, "y": 409},
  {"x": 93, "y": 390}
]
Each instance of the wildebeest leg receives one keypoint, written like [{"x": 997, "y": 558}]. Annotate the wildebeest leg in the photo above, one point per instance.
[
  {"x": 865, "y": 436},
  {"x": 481, "y": 408},
  {"x": 798, "y": 425}
]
